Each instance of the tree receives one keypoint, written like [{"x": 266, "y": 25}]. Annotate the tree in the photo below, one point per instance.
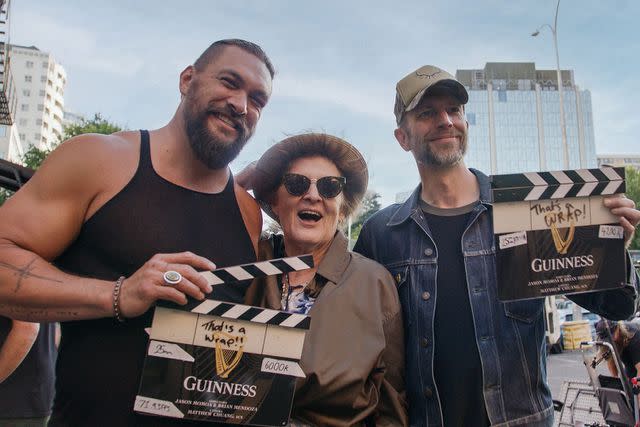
[
  {"x": 633, "y": 192},
  {"x": 4, "y": 195},
  {"x": 34, "y": 156},
  {"x": 369, "y": 206},
  {"x": 95, "y": 125}
]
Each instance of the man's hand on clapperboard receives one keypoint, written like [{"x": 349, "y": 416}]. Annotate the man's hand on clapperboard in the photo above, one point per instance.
[
  {"x": 625, "y": 209},
  {"x": 147, "y": 285}
]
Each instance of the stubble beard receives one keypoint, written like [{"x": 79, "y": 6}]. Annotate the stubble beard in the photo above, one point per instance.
[
  {"x": 441, "y": 159},
  {"x": 207, "y": 147}
]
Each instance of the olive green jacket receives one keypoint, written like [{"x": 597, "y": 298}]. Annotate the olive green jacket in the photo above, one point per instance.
[{"x": 353, "y": 354}]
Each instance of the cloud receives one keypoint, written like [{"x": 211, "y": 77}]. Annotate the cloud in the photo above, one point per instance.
[
  {"x": 353, "y": 97},
  {"x": 72, "y": 45}
]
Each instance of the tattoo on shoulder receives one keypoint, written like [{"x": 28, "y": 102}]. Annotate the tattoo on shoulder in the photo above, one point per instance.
[{"x": 25, "y": 272}]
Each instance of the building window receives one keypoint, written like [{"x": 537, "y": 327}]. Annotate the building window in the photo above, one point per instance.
[
  {"x": 37, "y": 136},
  {"x": 24, "y": 107},
  {"x": 23, "y": 122},
  {"x": 43, "y": 79},
  {"x": 29, "y": 64},
  {"x": 27, "y": 78},
  {"x": 39, "y": 122},
  {"x": 502, "y": 95},
  {"x": 40, "y": 107},
  {"x": 26, "y": 92},
  {"x": 22, "y": 137},
  {"x": 45, "y": 64},
  {"x": 42, "y": 92}
]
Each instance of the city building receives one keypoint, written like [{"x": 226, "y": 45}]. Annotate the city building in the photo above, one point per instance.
[
  {"x": 514, "y": 119},
  {"x": 39, "y": 87},
  {"x": 632, "y": 160},
  {"x": 9, "y": 146},
  {"x": 71, "y": 118}
]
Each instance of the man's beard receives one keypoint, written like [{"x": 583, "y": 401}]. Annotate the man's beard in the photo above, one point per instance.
[
  {"x": 207, "y": 147},
  {"x": 425, "y": 154}
]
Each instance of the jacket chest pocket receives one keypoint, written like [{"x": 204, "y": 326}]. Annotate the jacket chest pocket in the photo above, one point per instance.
[
  {"x": 401, "y": 277},
  {"x": 527, "y": 311}
]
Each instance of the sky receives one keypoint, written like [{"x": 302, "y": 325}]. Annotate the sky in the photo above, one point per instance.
[{"x": 337, "y": 62}]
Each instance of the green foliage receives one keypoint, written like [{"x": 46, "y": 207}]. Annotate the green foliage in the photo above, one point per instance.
[
  {"x": 34, "y": 157},
  {"x": 4, "y": 195},
  {"x": 633, "y": 192},
  {"x": 95, "y": 125},
  {"x": 369, "y": 206}
]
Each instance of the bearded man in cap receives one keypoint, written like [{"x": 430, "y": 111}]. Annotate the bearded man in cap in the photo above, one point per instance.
[{"x": 471, "y": 360}]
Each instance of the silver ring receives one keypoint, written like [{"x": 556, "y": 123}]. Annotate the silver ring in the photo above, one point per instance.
[{"x": 172, "y": 278}]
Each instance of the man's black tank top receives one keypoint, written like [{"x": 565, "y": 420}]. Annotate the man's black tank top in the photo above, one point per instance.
[{"x": 100, "y": 361}]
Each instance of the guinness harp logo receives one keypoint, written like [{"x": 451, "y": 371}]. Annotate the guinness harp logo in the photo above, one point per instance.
[
  {"x": 228, "y": 339},
  {"x": 561, "y": 242},
  {"x": 227, "y": 358}
]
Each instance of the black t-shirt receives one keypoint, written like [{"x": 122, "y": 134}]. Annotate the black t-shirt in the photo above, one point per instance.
[
  {"x": 630, "y": 355},
  {"x": 457, "y": 366},
  {"x": 28, "y": 391}
]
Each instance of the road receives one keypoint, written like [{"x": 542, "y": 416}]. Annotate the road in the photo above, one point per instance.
[{"x": 566, "y": 366}]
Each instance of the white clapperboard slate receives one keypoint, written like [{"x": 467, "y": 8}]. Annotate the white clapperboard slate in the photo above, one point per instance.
[
  {"x": 553, "y": 234},
  {"x": 221, "y": 362}
]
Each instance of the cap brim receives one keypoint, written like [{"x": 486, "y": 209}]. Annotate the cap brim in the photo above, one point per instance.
[{"x": 452, "y": 86}]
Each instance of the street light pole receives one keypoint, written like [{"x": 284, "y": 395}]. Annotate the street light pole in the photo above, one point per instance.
[
  {"x": 577, "y": 312},
  {"x": 554, "y": 32}
]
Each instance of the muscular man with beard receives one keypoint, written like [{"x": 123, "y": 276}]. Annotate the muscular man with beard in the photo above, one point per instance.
[
  {"x": 88, "y": 239},
  {"x": 472, "y": 360}
]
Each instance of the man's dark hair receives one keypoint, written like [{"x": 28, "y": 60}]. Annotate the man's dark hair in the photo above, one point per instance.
[{"x": 212, "y": 52}]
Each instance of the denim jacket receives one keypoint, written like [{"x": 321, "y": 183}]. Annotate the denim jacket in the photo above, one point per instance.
[{"x": 510, "y": 335}]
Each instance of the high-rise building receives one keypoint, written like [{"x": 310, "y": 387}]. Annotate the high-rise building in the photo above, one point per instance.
[
  {"x": 514, "y": 119},
  {"x": 8, "y": 100},
  {"x": 632, "y": 160},
  {"x": 39, "y": 86}
]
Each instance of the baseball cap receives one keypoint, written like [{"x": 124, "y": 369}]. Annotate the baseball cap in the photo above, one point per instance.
[{"x": 411, "y": 89}]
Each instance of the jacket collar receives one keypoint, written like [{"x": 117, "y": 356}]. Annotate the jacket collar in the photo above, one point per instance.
[
  {"x": 411, "y": 205},
  {"x": 336, "y": 260}
]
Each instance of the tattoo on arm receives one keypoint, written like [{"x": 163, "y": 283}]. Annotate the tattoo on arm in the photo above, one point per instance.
[
  {"x": 24, "y": 272},
  {"x": 38, "y": 313}
]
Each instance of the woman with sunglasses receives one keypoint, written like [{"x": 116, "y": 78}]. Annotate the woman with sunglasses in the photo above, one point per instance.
[{"x": 353, "y": 353}]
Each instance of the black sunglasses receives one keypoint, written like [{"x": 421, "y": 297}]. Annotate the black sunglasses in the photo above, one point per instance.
[{"x": 328, "y": 186}]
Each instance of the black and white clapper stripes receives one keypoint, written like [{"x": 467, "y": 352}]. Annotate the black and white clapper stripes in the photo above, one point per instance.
[
  {"x": 258, "y": 269},
  {"x": 558, "y": 184},
  {"x": 252, "y": 314},
  {"x": 244, "y": 312}
]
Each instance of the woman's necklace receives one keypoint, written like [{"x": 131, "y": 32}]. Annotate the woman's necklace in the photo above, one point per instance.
[
  {"x": 286, "y": 290},
  {"x": 284, "y": 302}
]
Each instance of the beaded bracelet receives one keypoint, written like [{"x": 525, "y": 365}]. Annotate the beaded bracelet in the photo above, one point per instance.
[{"x": 116, "y": 299}]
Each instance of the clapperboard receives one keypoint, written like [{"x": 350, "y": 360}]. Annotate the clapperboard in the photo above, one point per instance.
[
  {"x": 221, "y": 362},
  {"x": 553, "y": 234}
]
